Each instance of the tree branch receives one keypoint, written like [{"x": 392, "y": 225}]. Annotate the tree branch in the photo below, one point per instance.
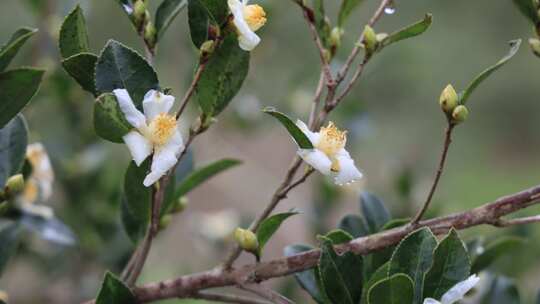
[
  {"x": 226, "y": 298},
  {"x": 191, "y": 89},
  {"x": 266, "y": 293}
]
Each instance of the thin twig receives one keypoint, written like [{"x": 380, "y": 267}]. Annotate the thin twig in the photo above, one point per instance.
[
  {"x": 316, "y": 101},
  {"x": 226, "y": 298},
  {"x": 266, "y": 293},
  {"x": 515, "y": 222},
  {"x": 444, "y": 153},
  {"x": 191, "y": 89}
]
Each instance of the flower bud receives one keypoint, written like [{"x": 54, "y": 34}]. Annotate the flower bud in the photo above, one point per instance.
[
  {"x": 150, "y": 35},
  {"x": 180, "y": 205},
  {"x": 335, "y": 37},
  {"x": 15, "y": 184},
  {"x": 448, "y": 99},
  {"x": 381, "y": 36},
  {"x": 139, "y": 12},
  {"x": 207, "y": 48},
  {"x": 460, "y": 114},
  {"x": 165, "y": 221},
  {"x": 370, "y": 39},
  {"x": 246, "y": 239},
  {"x": 535, "y": 46}
]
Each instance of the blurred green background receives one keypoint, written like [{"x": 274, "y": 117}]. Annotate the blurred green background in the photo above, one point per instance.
[{"x": 395, "y": 135}]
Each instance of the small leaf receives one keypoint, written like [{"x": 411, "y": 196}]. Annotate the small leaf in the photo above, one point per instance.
[
  {"x": 321, "y": 23},
  {"x": 109, "y": 120},
  {"x": 391, "y": 224},
  {"x": 269, "y": 226},
  {"x": 17, "y": 87},
  {"x": 380, "y": 274},
  {"x": 11, "y": 48},
  {"x": 119, "y": 67},
  {"x": 354, "y": 225},
  {"x": 451, "y": 265},
  {"x": 13, "y": 142},
  {"x": 301, "y": 139},
  {"x": 528, "y": 9},
  {"x": 73, "y": 37},
  {"x": 347, "y": 7},
  {"x": 410, "y": 31},
  {"x": 397, "y": 289},
  {"x": 223, "y": 76},
  {"x": 493, "y": 251},
  {"x": 202, "y": 14},
  {"x": 138, "y": 200},
  {"x": 374, "y": 211},
  {"x": 338, "y": 236},
  {"x": 307, "y": 278},
  {"x": 514, "y": 47},
  {"x": 166, "y": 12},
  {"x": 341, "y": 275},
  {"x": 82, "y": 68},
  {"x": 114, "y": 291},
  {"x": 413, "y": 257},
  {"x": 9, "y": 238}
]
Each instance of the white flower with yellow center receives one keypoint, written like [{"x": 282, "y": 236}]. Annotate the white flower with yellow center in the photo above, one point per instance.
[
  {"x": 38, "y": 185},
  {"x": 247, "y": 20},
  {"x": 328, "y": 155},
  {"x": 156, "y": 131},
  {"x": 457, "y": 292}
]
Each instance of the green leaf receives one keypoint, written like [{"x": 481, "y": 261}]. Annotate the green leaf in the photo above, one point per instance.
[
  {"x": 269, "y": 226},
  {"x": 413, "y": 257},
  {"x": 397, "y": 289},
  {"x": 338, "y": 236},
  {"x": 307, "y": 278},
  {"x": 205, "y": 13},
  {"x": 301, "y": 139},
  {"x": 11, "y": 48},
  {"x": 341, "y": 275},
  {"x": 223, "y": 76},
  {"x": 321, "y": 21},
  {"x": 119, "y": 67},
  {"x": 496, "y": 249},
  {"x": 374, "y": 211},
  {"x": 528, "y": 9},
  {"x": 137, "y": 204},
  {"x": 13, "y": 142},
  {"x": 451, "y": 265},
  {"x": 114, "y": 291},
  {"x": 380, "y": 274},
  {"x": 82, "y": 67},
  {"x": 166, "y": 12},
  {"x": 73, "y": 37},
  {"x": 17, "y": 87},
  {"x": 109, "y": 120},
  {"x": 391, "y": 224},
  {"x": 354, "y": 225},
  {"x": 347, "y": 7},
  {"x": 514, "y": 47},
  {"x": 9, "y": 238},
  {"x": 410, "y": 31}
]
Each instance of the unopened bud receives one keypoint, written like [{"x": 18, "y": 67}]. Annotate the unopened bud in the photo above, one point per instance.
[
  {"x": 246, "y": 239},
  {"x": 448, "y": 99},
  {"x": 15, "y": 184},
  {"x": 370, "y": 39},
  {"x": 207, "y": 48},
  {"x": 165, "y": 221},
  {"x": 180, "y": 205},
  {"x": 535, "y": 46},
  {"x": 327, "y": 55},
  {"x": 150, "y": 34},
  {"x": 460, "y": 114},
  {"x": 139, "y": 12},
  {"x": 335, "y": 37},
  {"x": 381, "y": 36}
]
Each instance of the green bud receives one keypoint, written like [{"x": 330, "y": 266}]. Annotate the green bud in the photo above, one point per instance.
[
  {"x": 327, "y": 55},
  {"x": 370, "y": 39},
  {"x": 207, "y": 48},
  {"x": 460, "y": 114},
  {"x": 381, "y": 36},
  {"x": 335, "y": 37},
  {"x": 139, "y": 12},
  {"x": 150, "y": 34},
  {"x": 180, "y": 205},
  {"x": 165, "y": 221},
  {"x": 246, "y": 239},
  {"x": 535, "y": 46},
  {"x": 448, "y": 99},
  {"x": 15, "y": 184}
]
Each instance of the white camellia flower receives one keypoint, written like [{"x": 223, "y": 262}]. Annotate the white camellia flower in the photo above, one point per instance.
[
  {"x": 156, "y": 131},
  {"x": 38, "y": 185},
  {"x": 457, "y": 292},
  {"x": 329, "y": 155},
  {"x": 247, "y": 20}
]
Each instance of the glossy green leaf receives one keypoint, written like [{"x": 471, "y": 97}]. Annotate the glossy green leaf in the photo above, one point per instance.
[
  {"x": 82, "y": 68},
  {"x": 114, "y": 291},
  {"x": 391, "y": 224},
  {"x": 205, "y": 13},
  {"x": 338, "y": 236},
  {"x": 451, "y": 265},
  {"x": 345, "y": 10},
  {"x": 341, "y": 275},
  {"x": 73, "y": 36},
  {"x": 493, "y": 251},
  {"x": 223, "y": 76},
  {"x": 11, "y": 48},
  {"x": 307, "y": 278},
  {"x": 528, "y": 9},
  {"x": 321, "y": 21},
  {"x": 13, "y": 142},
  {"x": 501, "y": 290},
  {"x": 374, "y": 211},
  {"x": 514, "y": 47},
  {"x": 9, "y": 238},
  {"x": 354, "y": 225},
  {"x": 137, "y": 204},
  {"x": 410, "y": 31},
  {"x": 413, "y": 257},
  {"x": 269, "y": 226},
  {"x": 396, "y": 289},
  {"x": 301, "y": 139},
  {"x": 17, "y": 87},
  {"x": 119, "y": 67},
  {"x": 380, "y": 274},
  {"x": 109, "y": 120},
  {"x": 166, "y": 12}
]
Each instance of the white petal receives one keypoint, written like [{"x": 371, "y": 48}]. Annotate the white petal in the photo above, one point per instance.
[
  {"x": 431, "y": 301},
  {"x": 156, "y": 103},
  {"x": 348, "y": 172},
  {"x": 459, "y": 290},
  {"x": 133, "y": 116},
  {"x": 312, "y": 136},
  {"x": 175, "y": 144},
  {"x": 317, "y": 159},
  {"x": 138, "y": 145},
  {"x": 247, "y": 39},
  {"x": 163, "y": 160}
]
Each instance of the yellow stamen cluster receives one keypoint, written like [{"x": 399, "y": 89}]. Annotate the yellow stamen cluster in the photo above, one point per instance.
[
  {"x": 162, "y": 128},
  {"x": 255, "y": 16},
  {"x": 331, "y": 141}
]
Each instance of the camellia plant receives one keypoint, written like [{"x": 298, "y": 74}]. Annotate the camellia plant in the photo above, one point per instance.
[{"x": 369, "y": 258}]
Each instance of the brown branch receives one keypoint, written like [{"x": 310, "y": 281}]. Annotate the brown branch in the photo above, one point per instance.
[
  {"x": 191, "y": 89},
  {"x": 515, "y": 222},
  {"x": 226, "y": 298},
  {"x": 266, "y": 293}
]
